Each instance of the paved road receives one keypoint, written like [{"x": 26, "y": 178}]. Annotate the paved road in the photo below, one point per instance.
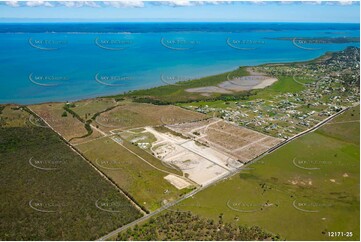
[{"x": 192, "y": 193}]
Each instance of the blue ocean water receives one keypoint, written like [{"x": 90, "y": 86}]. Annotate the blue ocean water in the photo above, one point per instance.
[{"x": 72, "y": 61}]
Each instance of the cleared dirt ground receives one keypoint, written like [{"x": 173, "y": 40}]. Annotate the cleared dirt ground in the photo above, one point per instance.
[
  {"x": 238, "y": 142},
  {"x": 199, "y": 163}
]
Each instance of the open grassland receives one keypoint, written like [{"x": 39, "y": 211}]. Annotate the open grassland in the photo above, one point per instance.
[
  {"x": 141, "y": 178},
  {"x": 173, "y": 93},
  {"x": 135, "y": 115},
  {"x": 13, "y": 116},
  {"x": 301, "y": 191},
  {"x": 66, "y": 124},
  {"x": 86, "y": 109},
  {"x": 48, "y": 191},
  {"x": 344, "y": 127}
]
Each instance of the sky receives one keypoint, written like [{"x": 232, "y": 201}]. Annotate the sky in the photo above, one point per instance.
[{"x": 180, "y": 11}]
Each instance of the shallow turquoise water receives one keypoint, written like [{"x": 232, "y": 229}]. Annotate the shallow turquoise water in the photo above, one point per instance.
[{"x": 66, "y": 62}]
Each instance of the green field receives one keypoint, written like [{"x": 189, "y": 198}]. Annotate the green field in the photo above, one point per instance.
[
  {"x": 144, "y": 182},
  {"x": 301, "y": 191},
  {"x": 48, "y": 191},
  {"x": 344, "y": 127}
]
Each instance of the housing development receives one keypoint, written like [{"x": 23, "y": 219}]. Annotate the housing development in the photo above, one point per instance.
[{"x": 179, "y": 120}]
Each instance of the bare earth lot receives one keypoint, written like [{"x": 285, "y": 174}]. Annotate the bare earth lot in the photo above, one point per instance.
[
  {"x": 199, "y": 163},
  {"x": 237, "y": 142}
]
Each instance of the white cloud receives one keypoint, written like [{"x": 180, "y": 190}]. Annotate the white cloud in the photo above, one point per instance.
[
  {"x": 345, "y": 2},
  {"x": 38, "y": 3},
  {"x": 287, "y": 2},
  {"x": 140, "y": 4},
  {"x": 183, "y": 3},
  {"x": 312, "y": 2},
  {"x": 76, "y": 4},
  {"x": 180, "y": 3},
  {"x": 259, "y": 2},
  {"x": 124, "y": 4},
  {"x": 13, "y": 4}
]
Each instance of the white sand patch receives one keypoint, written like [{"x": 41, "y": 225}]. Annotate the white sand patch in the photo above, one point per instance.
[
  {"x": 254, "y": 81},
  {"x": 267, "y": 82}
]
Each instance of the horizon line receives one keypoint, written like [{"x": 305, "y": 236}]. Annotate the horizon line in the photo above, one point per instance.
[{"x": 165, "y": 20}]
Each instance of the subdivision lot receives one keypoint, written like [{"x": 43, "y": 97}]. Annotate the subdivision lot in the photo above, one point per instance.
[
  {"x": 48, "y": 192},
  {"x": 135, "y": 115},
  {"x": 241, "y": 143},
  {"x": 135, "y": 171},
  {"x": 301, "y": 191}
]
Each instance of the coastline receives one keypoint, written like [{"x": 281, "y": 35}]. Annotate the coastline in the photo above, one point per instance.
[{"x": 326, "y": 54}]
